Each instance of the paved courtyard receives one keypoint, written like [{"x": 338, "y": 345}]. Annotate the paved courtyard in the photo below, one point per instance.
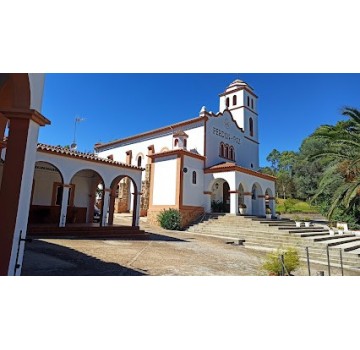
[{"x": 167, "y": 253}]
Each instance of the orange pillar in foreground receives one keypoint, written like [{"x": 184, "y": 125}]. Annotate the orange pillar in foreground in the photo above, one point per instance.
[{"x": 16, "y": 185}]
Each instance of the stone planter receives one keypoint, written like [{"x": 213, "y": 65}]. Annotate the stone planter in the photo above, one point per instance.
[
  {"x": 331, "y": 232},
  {"x": 242, "y": 211},
  {"x": 307, "y": 223},
  {"x": 298, "y": 223},
  {"x": 268, "y": 216}
]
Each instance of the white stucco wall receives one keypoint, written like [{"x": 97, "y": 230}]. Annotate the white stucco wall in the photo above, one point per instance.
[
  {"x": 224, "y": 129},
  {"x": 193, "y": 194},
  {"x": 70, "y": 166},
  {"x": 83, "y": 189},
  {"x": 43, "y": 184},
  {"x": 165, "y": 139},
  {"x": 164, "y": 191},
  {"x": 36, "y": 90}
]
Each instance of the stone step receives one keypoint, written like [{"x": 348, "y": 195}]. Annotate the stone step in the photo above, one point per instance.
[
  {"x": 330, "y": 238},
  {"x": 315, "y": 256},
  {"x": 355, "y": 252},
  {"x": 311, "y": 234},
  {"x": 347, "y": 247},
  {"x": 340, "y": 241}
]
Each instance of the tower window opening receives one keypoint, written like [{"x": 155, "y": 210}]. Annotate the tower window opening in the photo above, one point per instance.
[
  {"x": 221, "y": 153},
  {"x": 194, "y": 177},
  {"x": 176, "y": 142},
  {"x": 226, "y": 151},
  {"x": 185, "y": 143},
  {"x": 227, "y": 102},
  {"x": 234, "y": 100},
  {"x": 252, "y": 103},
  {"x": 139, "y": 161},
  {"x": 251, "y": 127}
]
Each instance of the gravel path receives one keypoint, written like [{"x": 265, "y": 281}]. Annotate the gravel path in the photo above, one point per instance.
[{"x": 167, "y": 253}]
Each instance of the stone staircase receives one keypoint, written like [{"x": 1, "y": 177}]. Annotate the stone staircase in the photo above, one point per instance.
[
  {"x": 87, "y": 232},
  {"x": 269, "y": 234}
]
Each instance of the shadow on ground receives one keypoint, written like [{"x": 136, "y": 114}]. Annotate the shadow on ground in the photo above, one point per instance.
[
  {"x": 48, "y": 259},
  {"x": 160, "y": 237}
]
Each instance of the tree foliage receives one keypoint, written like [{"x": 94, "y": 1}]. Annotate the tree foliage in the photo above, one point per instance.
[{"x": 325, "y": 170}]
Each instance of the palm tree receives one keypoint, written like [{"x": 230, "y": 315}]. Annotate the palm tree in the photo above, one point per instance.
[{"x": 342, "y": 154}]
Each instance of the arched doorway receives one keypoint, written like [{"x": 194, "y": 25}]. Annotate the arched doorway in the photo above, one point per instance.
[
  {"x": 257, "y": 200},
  {"x": 220, "y": 196},
  {"x": 46, "y": 194},
  {"x": 87, "y": 188},
  {"x": 123, "y": 201}
]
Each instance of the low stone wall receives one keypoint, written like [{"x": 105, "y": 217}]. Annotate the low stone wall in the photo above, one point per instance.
[{"x": 188, "y": 215}]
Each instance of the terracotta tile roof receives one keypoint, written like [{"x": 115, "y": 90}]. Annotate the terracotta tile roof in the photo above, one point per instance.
[
  {"x": 101, "y": 146},
  {"x": 180, "y": 133},
  {"x": 227, "y": 166},
  {"x": 177, "y": 152},
  {"x": 86, "y": 156}
]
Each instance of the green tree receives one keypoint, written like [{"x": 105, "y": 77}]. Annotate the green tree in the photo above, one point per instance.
[{"x": 342, "y": 155}]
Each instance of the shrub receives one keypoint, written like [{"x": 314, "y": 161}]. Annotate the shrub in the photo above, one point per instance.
[
  {"x": 297, "y": 218},
  {"x": 272, "y": 264},
  {"x": 170, "y": 219},
  {"x": 268, "y": 211},
  {"x": 218, "y": 207}
]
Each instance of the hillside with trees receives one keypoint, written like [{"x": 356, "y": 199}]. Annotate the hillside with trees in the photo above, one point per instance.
[{"x": 325, "y": 172}]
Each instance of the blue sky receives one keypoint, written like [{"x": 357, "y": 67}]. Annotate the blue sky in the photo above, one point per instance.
[{"x": 291, "y": 106}]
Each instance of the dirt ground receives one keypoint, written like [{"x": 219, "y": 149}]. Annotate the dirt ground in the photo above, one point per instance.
[{"x": 166, "y": 253}]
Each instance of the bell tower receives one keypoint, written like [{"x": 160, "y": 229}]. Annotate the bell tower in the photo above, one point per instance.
[{"x": 239, "y": 98}]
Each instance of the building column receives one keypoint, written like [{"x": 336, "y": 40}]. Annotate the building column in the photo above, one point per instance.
[
  {"x": 207, "y": 197},
  {"x": 248, "y": 203},
  {"x": 234, "y": 207},
  {"x": 106, "y": 203},
  {"x": 111, "y": 207},
  {"x": 136, "y": 209},
  {"x": 64, "y": 205},
  {"x": 272, "y": 205},
  {"x": 16, "y": 186},
  {"x": 262, "y": 205}
]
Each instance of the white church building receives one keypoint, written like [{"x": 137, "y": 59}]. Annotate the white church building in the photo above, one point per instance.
[{"x": 206, "y": 164}]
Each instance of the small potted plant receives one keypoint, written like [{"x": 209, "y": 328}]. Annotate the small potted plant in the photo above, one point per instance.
[
  {"x": 242, "y": 209},
  {"x": 307, "y": 221},
  {"x": 297, "y": 220},
  {"x": 331, "y": 226},
  {"x": 268, "y": 213},
  {"x": 278, "y": 215},
  {"x": 340, "y": 229}
]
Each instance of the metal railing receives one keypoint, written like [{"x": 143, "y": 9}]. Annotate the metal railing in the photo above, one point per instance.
[{"x": 328, "y": 261}]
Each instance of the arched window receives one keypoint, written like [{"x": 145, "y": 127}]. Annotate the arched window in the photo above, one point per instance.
[
  {"x": 251, "y": 127},
  {"x": 221, "y": 153},
  {"x": 248, "y": 101},
  {"x": 194, "y": 177},
  {"x": 231, "y": 153},
  {"x": 252, "y": 103},
  {"x": 234, "y": 100},
  {"x": 227, "y": 102},
  {"x": 176, "y": 142},
  {"x": 226, "y": 151},
  {"x": 185, "y": 143},
  {"x": 139, "y": 161}
]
